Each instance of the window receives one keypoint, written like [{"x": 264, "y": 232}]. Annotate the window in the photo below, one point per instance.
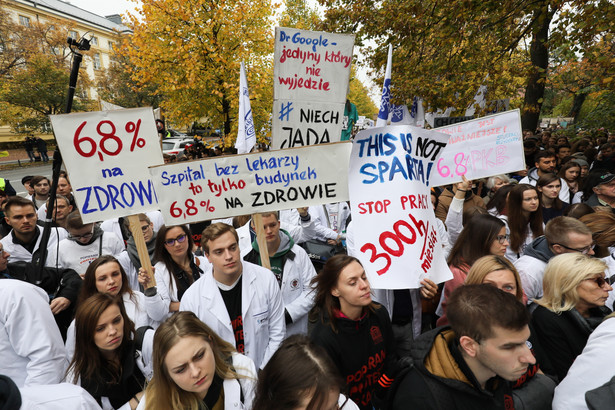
[
  {"x": 24, "y": 21},
  {"x": 94, "y": 41},
  {"x": 73, "y": 34},
  {"x": 110, "y": 44},
  {"x": 97, "y": 65}
]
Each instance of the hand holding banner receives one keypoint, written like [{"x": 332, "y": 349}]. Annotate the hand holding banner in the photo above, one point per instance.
[{"x": 106, "y": 154}]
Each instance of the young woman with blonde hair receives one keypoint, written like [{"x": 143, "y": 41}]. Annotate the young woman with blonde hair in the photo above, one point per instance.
[{"x": 195, "y": 369}]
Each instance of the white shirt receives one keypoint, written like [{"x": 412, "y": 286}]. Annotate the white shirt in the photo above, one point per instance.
[{"x": 78, "y": 257}]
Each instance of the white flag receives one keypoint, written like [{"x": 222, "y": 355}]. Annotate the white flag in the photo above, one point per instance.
[
  {"x": 383, "y": 114},
  {"x": 480, "y": 100},
  {"x": 246, "y": 136}
]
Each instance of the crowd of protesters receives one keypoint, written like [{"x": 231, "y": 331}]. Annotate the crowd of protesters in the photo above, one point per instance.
[{"x": 523, "y": 324}]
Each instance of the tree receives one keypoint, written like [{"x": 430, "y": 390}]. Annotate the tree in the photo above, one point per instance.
[
  {"x": 192, "y": 50},
  {"x": 38, "y": 90},
  {"x": 117, "y": 84},
  {"x": 34, "y": 68},
  {"x": 359, "y": 95},
  {"x": 445, "y": 50}
]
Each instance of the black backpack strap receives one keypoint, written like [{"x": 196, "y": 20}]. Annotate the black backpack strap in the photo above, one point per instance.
[{"x": 140, "y": 335}]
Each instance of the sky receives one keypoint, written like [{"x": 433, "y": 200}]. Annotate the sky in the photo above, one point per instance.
[{"x": 108, "y": 7}]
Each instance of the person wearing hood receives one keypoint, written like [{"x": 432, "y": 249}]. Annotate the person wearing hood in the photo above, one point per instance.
[
  {"x": 544, "y": 164},
  {"x": 563, "y": 234},
  {"x": 293, "y": 270},
  {"x": 85, "y": 243},
  {"x": 471, "y": 363}
]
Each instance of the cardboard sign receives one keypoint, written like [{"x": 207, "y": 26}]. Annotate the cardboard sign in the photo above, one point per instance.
[
  {"x": 480, "y": 148},
  {"x": 394, "y": 222},
  {"x": 106, "y": 154},
  {"x": 311, "y": 75},
  {"x": 223, "y": 187}
]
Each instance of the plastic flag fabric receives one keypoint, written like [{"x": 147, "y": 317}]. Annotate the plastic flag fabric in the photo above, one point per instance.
[{"x": 246, "y": 136}]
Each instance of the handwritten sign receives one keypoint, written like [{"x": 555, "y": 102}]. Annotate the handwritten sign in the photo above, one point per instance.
[
  {"x": 480, "y": 148},
  {"x": 395, "y": 226},
  {"x": 222, "y": 187},
  {"x": 311, "y": 74},
  {"x": 106, "y": 154}
]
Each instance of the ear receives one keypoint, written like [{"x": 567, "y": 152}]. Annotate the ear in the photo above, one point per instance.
[
  {"x": 6, "y": 218},
  {"x": 335, "y": 292},
  {"x": 596, "y": 189},
  {"x": 469, "y": 345}
]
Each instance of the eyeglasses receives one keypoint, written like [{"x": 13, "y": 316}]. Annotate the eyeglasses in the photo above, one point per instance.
[
  {"x": 180, "y": 239},
  {"x": 84, "y": 236},
  {"x": 584, "y": 251},
  {"x": 503, "y": 239}
]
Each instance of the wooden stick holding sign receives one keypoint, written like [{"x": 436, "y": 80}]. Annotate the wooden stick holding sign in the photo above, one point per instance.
[
  {"x": 261, "y": 240},
  {"x": 137, "y": 234}
]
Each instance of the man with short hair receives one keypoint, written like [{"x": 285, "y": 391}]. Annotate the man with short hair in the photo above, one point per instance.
[
  {"x": 25, "y": 181},
  {"x": 604, "y": 191},
  {"x": 293, "y": 270},
  {"x": 22, "y": 244},
  {"x": 61, "y": 210},
  {"x": 129, "y": 259},
  {"x": 86, "y": 243},
  {"x": 471, "y": 363},
  {"x": 562, "y": 151},
  {"x": 545, "y": 162},
  {"x": 240, "y": 301},
  {"x": 562, "y": 235},
  {"x": 40, "y": 184}
]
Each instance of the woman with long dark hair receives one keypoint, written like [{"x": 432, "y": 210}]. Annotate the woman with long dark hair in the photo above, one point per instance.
[
  {"x": 482, "y": 235},
  {"x": 106, "y": 275},
  {"x": 355, "y": 331},
  {"x": 524, "y": 219},
  {"x": 549, "y": 186},
  {"x": 176, "y": 269},
  {"x": 571, "y": 174},
  {"x": 106, "y": 361},
  {"x": 195, "y": 369},
  {"x": 300, "y": 375}
]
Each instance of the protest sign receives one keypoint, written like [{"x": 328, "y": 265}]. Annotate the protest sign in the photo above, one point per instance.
[
  {"x": 480, "y": 148},
  {"x": 311, "y": 73},
  {"x": 106, "y": 154},
  {"x": 394, "y": 223},
  {"x": 221, "y": 187}
]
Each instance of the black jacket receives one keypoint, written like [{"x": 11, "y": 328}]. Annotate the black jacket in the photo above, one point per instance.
[
  {"x": 362, "y": 350},
  {"x": 441, "y": 379},
  {"x": 563, "y": 336}
]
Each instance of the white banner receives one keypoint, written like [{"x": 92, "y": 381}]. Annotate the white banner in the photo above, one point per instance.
[
  {"x": 394, "y": 223},
  {"x": 299, "y": 123},
  {"x": 106, "y": 154},
  {"x": 311, "y": 71},
  {"x": 221, "y": 187},
  {"x": 480, "y": 148}
]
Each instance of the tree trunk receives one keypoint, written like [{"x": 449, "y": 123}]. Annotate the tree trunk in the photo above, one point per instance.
[
  {"x": 539, "y": 55},
  {"x": 577, "y": 103}
]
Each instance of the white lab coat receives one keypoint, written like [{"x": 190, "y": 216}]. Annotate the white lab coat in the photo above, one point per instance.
[
  {"x": 129, "y": 268},
  {"x": 61, "y": 396},
  {"x": 233, "y": 388},
  {"x": 31, "y": 347},
  {"x": 19, "y": 253},
  {"x": 262, "y": 311},
  {"x": 590, "y": 370},
  {"x": 157, "y": 306}
]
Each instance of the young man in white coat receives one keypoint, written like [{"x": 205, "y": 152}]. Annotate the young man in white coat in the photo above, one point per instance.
[
  {"x": 240, "y": 301},
  {"x": 292, "y": 269}
]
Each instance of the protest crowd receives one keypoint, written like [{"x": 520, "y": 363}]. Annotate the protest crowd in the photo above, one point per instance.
[{"x": 523, "y": 323}]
